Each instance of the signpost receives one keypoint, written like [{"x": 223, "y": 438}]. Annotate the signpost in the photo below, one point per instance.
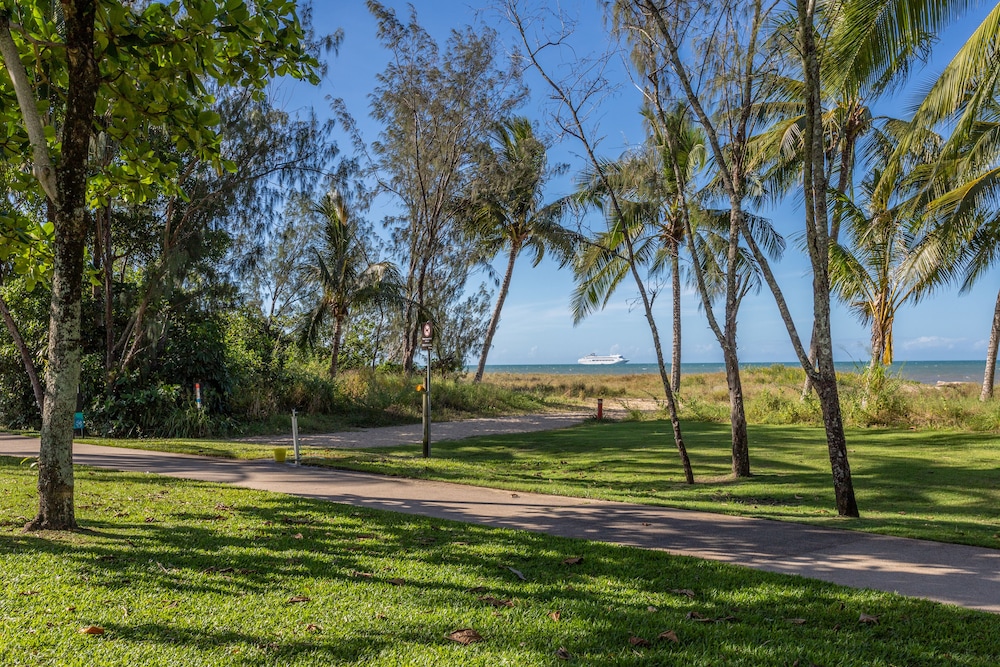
[{"x": 427, "y": 339}]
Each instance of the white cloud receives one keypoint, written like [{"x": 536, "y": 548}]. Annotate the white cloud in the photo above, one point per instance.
[{"x": 932, "y": 342}]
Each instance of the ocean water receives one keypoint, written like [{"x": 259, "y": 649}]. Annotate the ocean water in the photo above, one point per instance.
[{"x": 926, "y": 372}]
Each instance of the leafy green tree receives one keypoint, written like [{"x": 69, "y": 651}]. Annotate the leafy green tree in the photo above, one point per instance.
[
  {"x": 577, "y": 95},
  {"x": 505, "y": 210},
  {"x": 346, "y": 275},
  {"x": 721, "y": 87},
  {"x": 435, "y": 106},
  {"x": 135, "y": 66}
]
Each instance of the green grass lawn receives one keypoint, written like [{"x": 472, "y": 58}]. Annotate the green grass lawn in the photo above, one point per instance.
[
  {"x": 930, "y": 484},
  {"x": 186, "y": 573}
]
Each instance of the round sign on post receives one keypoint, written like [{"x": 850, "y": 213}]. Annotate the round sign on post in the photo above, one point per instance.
[{"x": 427, "y": 331}]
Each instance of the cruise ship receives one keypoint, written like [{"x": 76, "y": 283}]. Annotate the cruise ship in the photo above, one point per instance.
[{"x": 593, "y": 359}]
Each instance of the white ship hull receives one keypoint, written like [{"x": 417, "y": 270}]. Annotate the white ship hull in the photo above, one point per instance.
[{"x": 602, "y": 360}]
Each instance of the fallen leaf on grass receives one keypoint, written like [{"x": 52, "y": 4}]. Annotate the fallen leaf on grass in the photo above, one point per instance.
[
  {"x": 556, "y": 615},
  {"x": 701, "y": 618},
  {"x": 297, "y": 536},
  {"x": 638, "y": 641},
  {"x": 476, "y": 589},
  {"x": 518, "y": 573},
  {"x": 70, "y": 608},
  {"x": 397, "y": 581},
  {"x": 514, "y": 495},
  {"x": 298, "y": 598},
  {"x": 575, "y": 560},
  {"x": 496, "y": 602},
  {"x": 683, "y": 591},
  {"x": 312, "y": 627},
  {"x": 796, "y": 621},
  {"x": 29, "y": 592},
  {"x": 669, "y": 635},
  {"x": 651, "y": 609},
  {"x": 563, "y": 654},
  {"x": 868, "y": 619},
  {"x": 465, "y": 636},
  {"x": 91, "y": 630},
  {"x": 363, "y": 575}
]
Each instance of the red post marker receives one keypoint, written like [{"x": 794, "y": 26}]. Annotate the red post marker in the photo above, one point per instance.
[{"x": 600, "y": 408}]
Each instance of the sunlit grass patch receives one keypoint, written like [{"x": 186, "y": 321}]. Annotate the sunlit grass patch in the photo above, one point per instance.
[{"x": 176, "y": 572}]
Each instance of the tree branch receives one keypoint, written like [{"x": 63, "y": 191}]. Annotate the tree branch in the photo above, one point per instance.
[{"x": 42, "y": 167}]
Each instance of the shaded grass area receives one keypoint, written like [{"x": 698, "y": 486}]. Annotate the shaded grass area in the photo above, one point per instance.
[
  {"x": 936, "y": 485},
  {"x": 180, "y": 572}
]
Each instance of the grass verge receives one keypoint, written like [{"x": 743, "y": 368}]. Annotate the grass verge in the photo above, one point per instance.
[
  {"x": 178, "y": 572},
  {"x": 934, "y": 485}
]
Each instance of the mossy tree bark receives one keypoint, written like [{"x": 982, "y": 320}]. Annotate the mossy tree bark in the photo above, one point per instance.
[{"x": 70, "y": 219}]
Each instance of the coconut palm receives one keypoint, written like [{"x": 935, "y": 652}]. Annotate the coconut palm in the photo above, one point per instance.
[
  {"x": 654, "y": 206},
  {"x": 961, "y": 98},
  {"x": 345, "y": 275},
  {"x": 959, "y": 195},
  {"x": 505, "y": 211},
  {"x": 874, "y": 273}
]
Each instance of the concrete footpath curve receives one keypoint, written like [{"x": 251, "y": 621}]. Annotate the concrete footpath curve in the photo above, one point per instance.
[
  {"x": 954, "y": 574},
  {"x": 410, "y": 434}
]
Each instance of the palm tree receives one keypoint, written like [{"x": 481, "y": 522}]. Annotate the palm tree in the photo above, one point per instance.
[
  {"x": 345, "y": 275},
  {"x": 959, "y": 197},
  {"x": 505, "y": 210},
  {"x": 876, "y": 273},
  {"x": 962, "y": 98}
]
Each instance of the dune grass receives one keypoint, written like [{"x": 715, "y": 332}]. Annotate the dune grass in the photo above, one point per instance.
[{"x": 184, "y": 573}]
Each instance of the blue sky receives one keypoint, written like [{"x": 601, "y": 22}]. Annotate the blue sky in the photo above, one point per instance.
[{"x": 537, "y": 326}]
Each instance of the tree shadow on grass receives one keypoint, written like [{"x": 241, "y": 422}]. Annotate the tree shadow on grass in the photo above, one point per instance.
[{"x": 269, "y": 548}]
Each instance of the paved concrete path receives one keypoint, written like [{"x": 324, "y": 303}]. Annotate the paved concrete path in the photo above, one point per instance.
[
  {"x": 954, "y": 574},
  {"x": 413, "y": 434}
]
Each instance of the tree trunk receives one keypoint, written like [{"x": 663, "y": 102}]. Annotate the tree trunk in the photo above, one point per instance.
[
  {"x": 836, "y": 441},
  {"x": 737, "y": 414},
  {"x": 818, "y": 241},
  {"x": 338, "y": 330},
  {"x": 62, "y": 377},
  {"x": 640, "y": 284},
  {"x": 675, "y": 279},
  {"x": 495, "y": 318},
  {"x": 26, "y": 357},
  {"x": 991, "y": 355},
  {"x": 737, "y": 418}
]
